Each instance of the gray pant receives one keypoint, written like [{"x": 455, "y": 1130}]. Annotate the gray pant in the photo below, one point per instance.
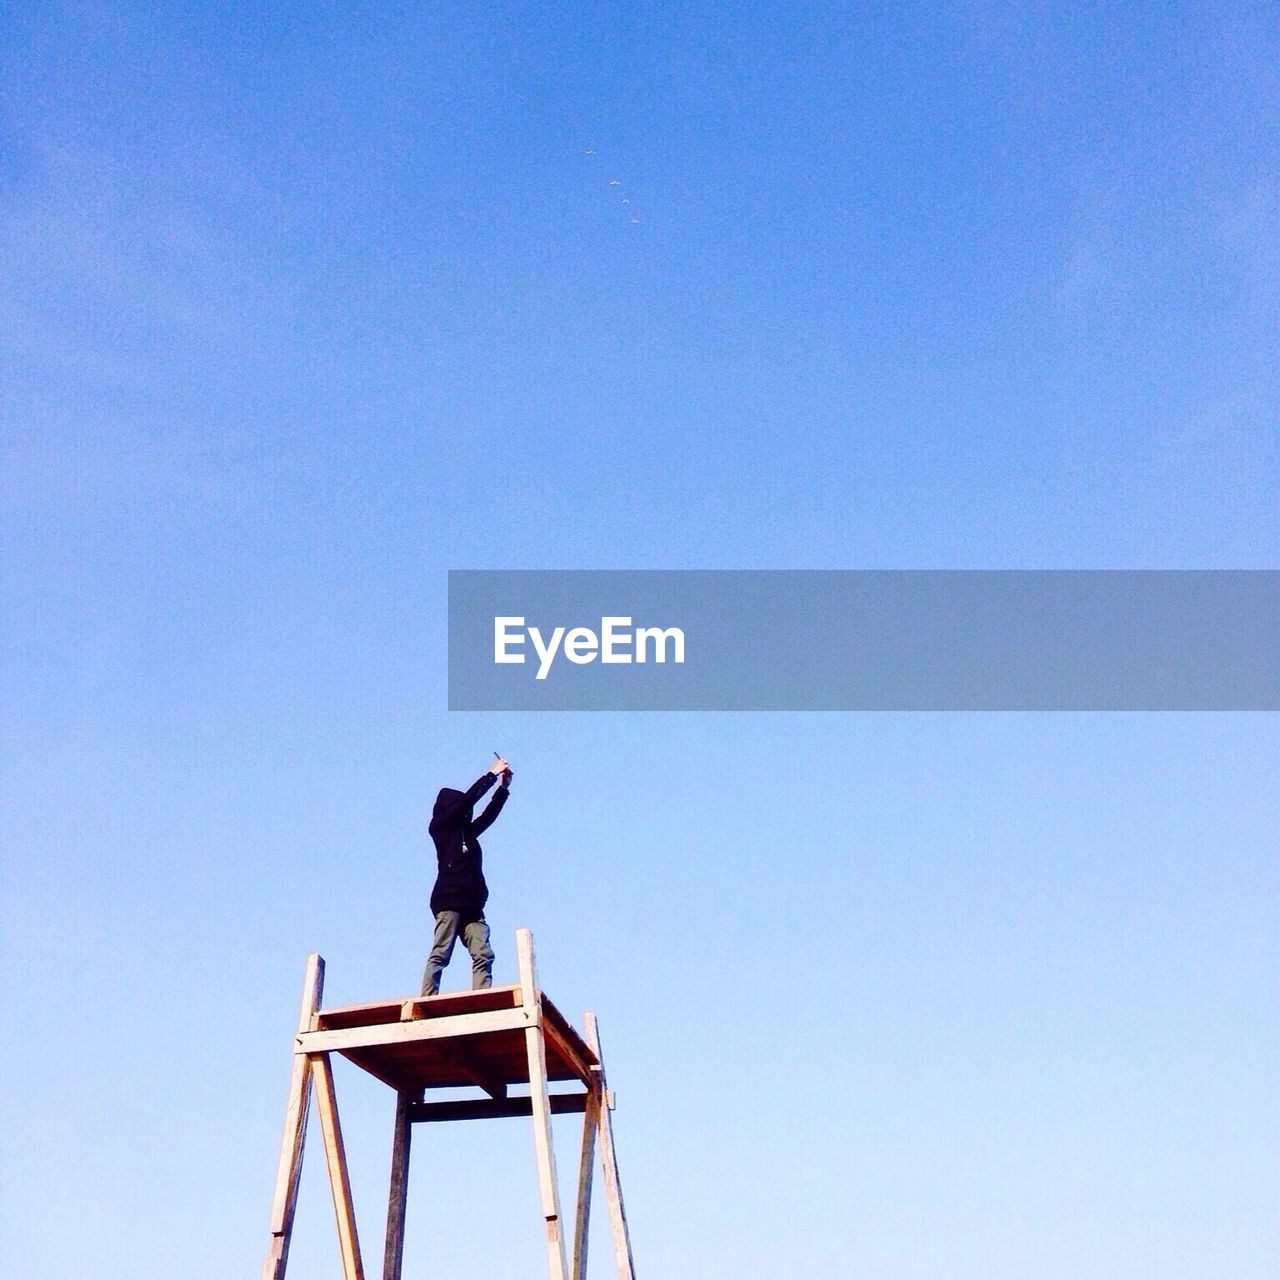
[{"x": 475, "y": 937}]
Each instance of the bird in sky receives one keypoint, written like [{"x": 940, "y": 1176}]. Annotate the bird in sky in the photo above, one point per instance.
[{"x": 613, "y": 182}]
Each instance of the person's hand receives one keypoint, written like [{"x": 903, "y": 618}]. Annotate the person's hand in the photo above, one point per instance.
[
  {"x": 499, "y": 766},
  {"x": 507, "y": 775}
]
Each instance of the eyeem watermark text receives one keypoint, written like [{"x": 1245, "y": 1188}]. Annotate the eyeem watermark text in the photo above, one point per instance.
[
  {"x": 615, "y": 642},
  {"x": 864, "y": 640}
]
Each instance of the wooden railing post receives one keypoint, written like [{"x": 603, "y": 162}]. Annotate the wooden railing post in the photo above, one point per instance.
[
  {"x": 544, "y": 1152},
  {"x": 609, "y": 1162},
  {"x": 284, "y": 1199}
]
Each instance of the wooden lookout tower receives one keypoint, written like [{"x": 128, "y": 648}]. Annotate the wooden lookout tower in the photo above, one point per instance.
[{"x": 493, "y": 1040}]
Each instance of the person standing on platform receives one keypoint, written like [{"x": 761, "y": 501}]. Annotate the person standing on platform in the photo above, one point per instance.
[{"x": 460, "y": 890}]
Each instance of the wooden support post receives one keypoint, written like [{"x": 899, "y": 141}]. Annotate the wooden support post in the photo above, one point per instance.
[
  {"x": 394, "y": 1253},
  {"x": 544, "y": 1153},
  {"x": 586, "y": 1165},
  {"x": 336, "y": 1158},
  {"x": 284, "y": 1201},
  {"x": 609, "y": 1162}
]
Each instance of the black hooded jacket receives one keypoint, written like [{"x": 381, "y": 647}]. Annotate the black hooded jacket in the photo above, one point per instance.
[{"x": 460, "y": 882}]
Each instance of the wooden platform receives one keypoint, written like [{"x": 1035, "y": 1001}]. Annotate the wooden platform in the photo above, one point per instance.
[
  {"x": 450, "y": 1041},
  {"x": 492, "y": 1040}
]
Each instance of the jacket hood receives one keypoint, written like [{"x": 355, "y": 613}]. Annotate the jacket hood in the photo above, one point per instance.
[{"x": 447, "y": 796}]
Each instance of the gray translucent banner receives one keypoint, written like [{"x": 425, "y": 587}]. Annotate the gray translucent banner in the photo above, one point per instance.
[{"x": 916, "y": 640}]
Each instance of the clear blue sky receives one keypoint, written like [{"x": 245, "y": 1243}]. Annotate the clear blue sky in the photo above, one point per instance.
[{"x": 303, "y": 305}]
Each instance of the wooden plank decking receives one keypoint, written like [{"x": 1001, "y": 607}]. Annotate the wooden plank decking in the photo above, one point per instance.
[{"x": 448, "y": 1041}]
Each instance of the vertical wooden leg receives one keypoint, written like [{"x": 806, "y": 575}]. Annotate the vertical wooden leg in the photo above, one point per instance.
[
  {"x": 393, "y": 1256},
  {"x": 284, "y": 1200},
  {"x": 336, "y": 1158},
  {"x": 544, "y": 1153},
  {"x": 609, "y": 1164},
  {"x": 586, "y": 1166}
]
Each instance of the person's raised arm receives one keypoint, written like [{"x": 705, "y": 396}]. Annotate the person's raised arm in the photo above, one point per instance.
[
  {"x": 450, "y": 809},
  {"x": 494, "y": 807}
]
